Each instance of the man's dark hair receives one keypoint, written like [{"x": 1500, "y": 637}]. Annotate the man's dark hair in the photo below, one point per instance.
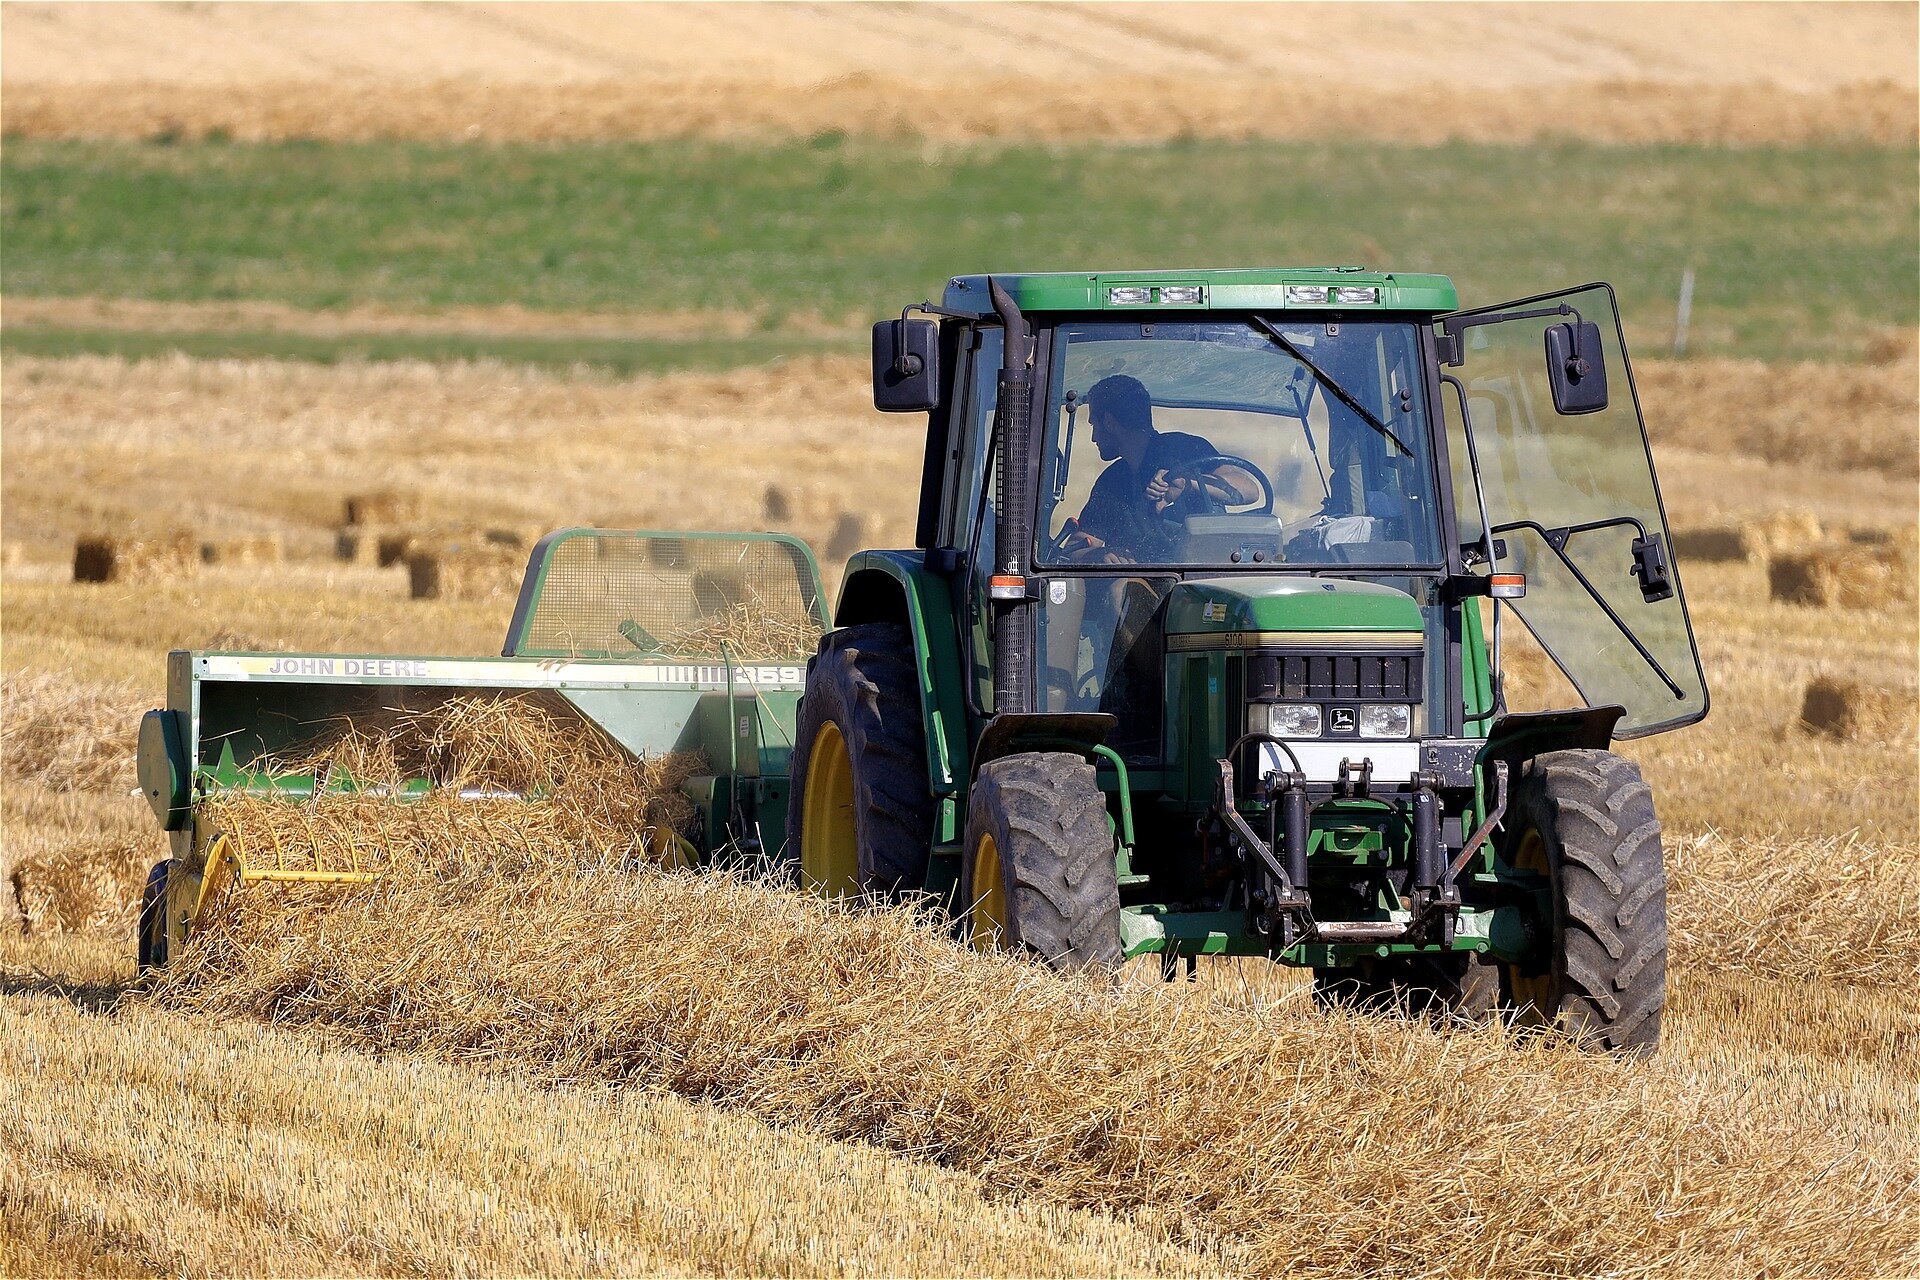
[{"x": 1124, "y": 399}]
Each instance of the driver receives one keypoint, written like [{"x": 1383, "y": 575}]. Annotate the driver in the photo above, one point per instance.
[{"x": 1150, "y": 480}]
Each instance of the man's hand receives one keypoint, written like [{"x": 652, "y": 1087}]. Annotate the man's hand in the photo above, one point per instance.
[
  {"x": 1084, "y": 548},
  {"x": 1163, "y": 492}
]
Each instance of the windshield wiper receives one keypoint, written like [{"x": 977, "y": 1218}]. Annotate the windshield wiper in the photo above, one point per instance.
[{"x": 1340, "y": 393}]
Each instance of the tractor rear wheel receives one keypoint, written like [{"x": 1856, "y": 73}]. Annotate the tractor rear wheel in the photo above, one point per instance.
[
  {"x": 1039, "y": 875},
  {"x": 1584, "y": 820},
  {"x": 153, "y": 919},
  {"x": 862, "y": 809}
]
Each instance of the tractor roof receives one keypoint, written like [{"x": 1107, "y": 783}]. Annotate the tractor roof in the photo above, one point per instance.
[{"x": 1232, "y": 289}]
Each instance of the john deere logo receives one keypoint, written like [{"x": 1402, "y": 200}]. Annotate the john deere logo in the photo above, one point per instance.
[{"x": 1340, "y": 720}]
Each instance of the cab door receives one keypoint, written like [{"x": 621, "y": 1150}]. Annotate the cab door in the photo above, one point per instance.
[{"x": 1549, "y": 444}]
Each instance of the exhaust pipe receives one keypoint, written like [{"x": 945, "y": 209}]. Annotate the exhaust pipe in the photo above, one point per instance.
[{"x": 1013, "y": 529}]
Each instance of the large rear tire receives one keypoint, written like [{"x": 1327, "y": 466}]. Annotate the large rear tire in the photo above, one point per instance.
[
  {"x": 1585, "y": 820},
  {"x": 1039, "y": 875},
  {"x": 862, "y": 812}
]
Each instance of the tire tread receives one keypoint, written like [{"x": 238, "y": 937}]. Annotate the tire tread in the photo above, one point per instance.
[
  {"x": 1048, "y": 816},
  {"x": 864, "y": 678},
  {"x": 1595, "y": 814}
]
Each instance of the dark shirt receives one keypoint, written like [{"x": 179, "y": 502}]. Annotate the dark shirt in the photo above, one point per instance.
[{"x": 1119, "y": 512}]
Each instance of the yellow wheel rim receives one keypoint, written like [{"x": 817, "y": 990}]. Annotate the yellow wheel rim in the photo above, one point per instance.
[
  {"x": 829, "y": 844},
  {"x": 1531, "y": 990},
  {"x": 989, "y": 896}
]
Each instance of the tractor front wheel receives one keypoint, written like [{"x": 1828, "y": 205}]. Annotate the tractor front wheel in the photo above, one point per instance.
[
  {"x": 862, "y": 809},
  {"x": 1039, "y": 875},
  {"x": 1583, "y": 821}
]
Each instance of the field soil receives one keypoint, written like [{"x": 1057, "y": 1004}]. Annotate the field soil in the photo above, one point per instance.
[{"x": 1728, "y": 73}]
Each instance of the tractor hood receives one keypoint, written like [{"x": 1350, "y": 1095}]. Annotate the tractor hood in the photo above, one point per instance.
[{"x": 1240, "y": 610}]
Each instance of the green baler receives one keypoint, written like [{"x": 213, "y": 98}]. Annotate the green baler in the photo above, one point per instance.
[
  {"x": 623, "y": 630},
  {"x": 1199, "y": 648}
]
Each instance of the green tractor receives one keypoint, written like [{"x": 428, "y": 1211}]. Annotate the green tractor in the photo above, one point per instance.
[{"x": 1198, "y": 651}]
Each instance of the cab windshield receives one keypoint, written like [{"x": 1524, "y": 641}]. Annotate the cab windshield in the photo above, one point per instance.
[{"x": 1205, "y": 444}]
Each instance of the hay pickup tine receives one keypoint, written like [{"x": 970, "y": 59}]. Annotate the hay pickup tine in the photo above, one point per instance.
[{"x": 633, "y": 633}]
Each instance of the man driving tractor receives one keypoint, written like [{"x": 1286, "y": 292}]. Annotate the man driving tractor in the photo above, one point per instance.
[{"x": 1150, "y": 481}]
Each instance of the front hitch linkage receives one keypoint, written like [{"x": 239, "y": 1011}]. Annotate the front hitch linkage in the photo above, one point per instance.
[{"x": 1278, "y": 905}]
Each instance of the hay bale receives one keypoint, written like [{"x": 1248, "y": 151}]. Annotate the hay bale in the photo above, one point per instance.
[
  {"x": 1847, "y": 709},
  {"x": 258, "y": 549},
  {"x": 775, "y": 505},
  {"x": 1785, "y": 531},
  {"x": 1804, "y": 578},
  {"x": 384, "y": 506},
  {"x": 86, "y": 885},
  {"x": 393, "y": 548},
  {"x": 1715, "y": 544},
  {"x": 462, "y": 573},
  {"x": 849, "y": 536},
  {"x": 1846, "y": 575},
  {"x": 1876, "y": 576},
  {"x": 108, "y": 558}
]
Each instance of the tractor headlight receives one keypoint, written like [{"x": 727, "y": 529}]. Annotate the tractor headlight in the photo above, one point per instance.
[
  {"x": 1289, "y": 720},
  {"x": 1386, "y": 720}
]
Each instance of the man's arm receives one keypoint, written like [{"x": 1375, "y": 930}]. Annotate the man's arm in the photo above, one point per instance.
[{"x": 1227, "y": 483}]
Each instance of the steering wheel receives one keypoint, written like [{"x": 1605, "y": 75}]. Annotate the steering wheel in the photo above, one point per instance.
[{"x": 1195, "y": 470}]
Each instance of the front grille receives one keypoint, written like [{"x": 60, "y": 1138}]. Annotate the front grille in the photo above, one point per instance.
[{"x": 1349, "y": 676}]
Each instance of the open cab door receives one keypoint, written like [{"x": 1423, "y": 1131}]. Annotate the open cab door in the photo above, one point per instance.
[{"x": 1554, "y": 480}]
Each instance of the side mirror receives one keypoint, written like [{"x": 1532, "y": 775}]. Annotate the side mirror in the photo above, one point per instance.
[
  {"x": 906, "y": 365},
  {"x": 1576, "y": 367}
]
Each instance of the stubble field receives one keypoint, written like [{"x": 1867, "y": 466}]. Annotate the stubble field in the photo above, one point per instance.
[{"x": 257, "y": 265}]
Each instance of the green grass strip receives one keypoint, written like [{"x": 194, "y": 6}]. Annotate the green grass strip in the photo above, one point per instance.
[{"x": 1799, "y": 251}]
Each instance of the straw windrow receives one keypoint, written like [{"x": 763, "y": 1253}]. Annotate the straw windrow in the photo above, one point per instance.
[{"x": 1312, "y": 1144}]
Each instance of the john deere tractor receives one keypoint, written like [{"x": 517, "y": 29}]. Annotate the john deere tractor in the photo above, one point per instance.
[{"x": 1199, "y": 648}]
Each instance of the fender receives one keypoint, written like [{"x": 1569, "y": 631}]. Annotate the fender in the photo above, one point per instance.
[
  {"x": 896, "y": 586},
  {"x": 1012, "y": 732},
  {"x": 1524, "y": 735}
]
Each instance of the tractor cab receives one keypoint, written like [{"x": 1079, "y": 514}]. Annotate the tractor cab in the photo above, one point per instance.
[{"x": 1233, "y": 551}]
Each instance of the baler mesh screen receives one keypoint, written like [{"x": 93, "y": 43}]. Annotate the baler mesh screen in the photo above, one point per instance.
[{"x": 617, "y": 594}]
